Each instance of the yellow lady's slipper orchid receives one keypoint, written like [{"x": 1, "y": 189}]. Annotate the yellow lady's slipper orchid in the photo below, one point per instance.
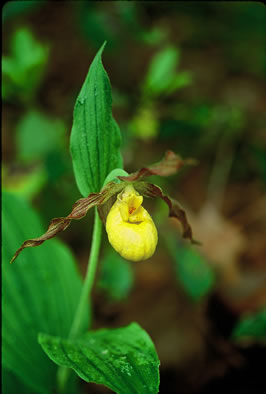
[{"x": 130, "y": 228}]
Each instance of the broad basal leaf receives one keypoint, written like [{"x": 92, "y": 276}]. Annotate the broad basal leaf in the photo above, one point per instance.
[
  {"x": 95, "y": 137},
  {"x": 123, "y": 359},
  {"x": 40, "y": 293}
]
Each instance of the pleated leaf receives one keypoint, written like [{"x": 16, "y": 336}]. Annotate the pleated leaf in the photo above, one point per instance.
[
  {"x": 123, "y": 359},
  {"x": 95, "y": 136},
  {"x": 39, "y": 293}
]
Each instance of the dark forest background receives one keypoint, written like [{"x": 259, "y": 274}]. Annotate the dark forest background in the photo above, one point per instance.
[{"x": 189, "y": 77}]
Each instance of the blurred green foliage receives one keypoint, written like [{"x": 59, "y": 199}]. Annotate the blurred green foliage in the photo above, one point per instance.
[
  {"x": 42, "y": 151},
  {"x": 13, "y": 8},
  {"x": 37, "y": 135},
  {"x": 116, "y": 276},
  {"x": 193, "y": 272},
  {"x": 28, "y": 185},
  {"x": 22, "y": 71},
  {"x": 162, "y": 79},
  {"x": 162, "y": 76},
  {"x": 95, "y": 24},
  {"x": 145, "y": 124},
  {"x": 251, "y": 327}
]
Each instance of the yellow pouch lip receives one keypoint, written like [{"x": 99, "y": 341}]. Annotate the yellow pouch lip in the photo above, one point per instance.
[
  {"x": 132, "y": 233},
  {"x": 134, "y": 241}
]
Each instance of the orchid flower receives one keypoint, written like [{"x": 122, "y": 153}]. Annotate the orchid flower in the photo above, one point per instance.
[{"x": 130, "y": 229}]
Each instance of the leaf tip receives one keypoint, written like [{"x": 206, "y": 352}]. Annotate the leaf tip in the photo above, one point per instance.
[{"x": 102, "y": 47}]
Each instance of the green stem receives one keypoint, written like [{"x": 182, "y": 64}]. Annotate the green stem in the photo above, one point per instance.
[
  {"x": 89, "y": 278},
  {"x": 85, "y": 297}
]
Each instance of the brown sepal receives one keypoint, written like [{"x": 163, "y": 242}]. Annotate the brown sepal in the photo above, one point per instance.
[
  {"x": 79, "y": 210},
  {"x": 175, "y": 210},
  {"x": 169, "y": 165}
]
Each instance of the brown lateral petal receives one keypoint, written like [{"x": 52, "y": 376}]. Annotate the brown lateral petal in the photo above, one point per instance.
[
  {"x": 175, "y": 210},
  {"x": 79, "y": 210},
  {"x": 169, "y": 165}
]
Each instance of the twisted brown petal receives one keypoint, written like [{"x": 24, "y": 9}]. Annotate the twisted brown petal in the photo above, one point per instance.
[
  {"x": 169, "y": 165},
  {"x": 175, "y": 210},
  {"x": 79, "y": 210}
]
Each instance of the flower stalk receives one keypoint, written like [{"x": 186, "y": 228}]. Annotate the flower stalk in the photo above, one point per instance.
[
  {"x": 89, "y": 279},
  {"x": 76, "y": 328}
]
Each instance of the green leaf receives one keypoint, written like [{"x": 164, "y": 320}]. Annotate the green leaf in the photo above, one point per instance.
[
  {"x": 123, "y": 359},
  {"x": 163, "y": 76},
  {"x": 24, "y": 68},
  {"x": 162, "y": 70},
  {"x": 180, "y": 80},
  {"x": 95, "y": 136},
  {"x": 192, "y": 270},
  {"x": 116, "y": 276},
  {"x": 40, "y": 293},
  {"x": 251, "y": 327}
]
